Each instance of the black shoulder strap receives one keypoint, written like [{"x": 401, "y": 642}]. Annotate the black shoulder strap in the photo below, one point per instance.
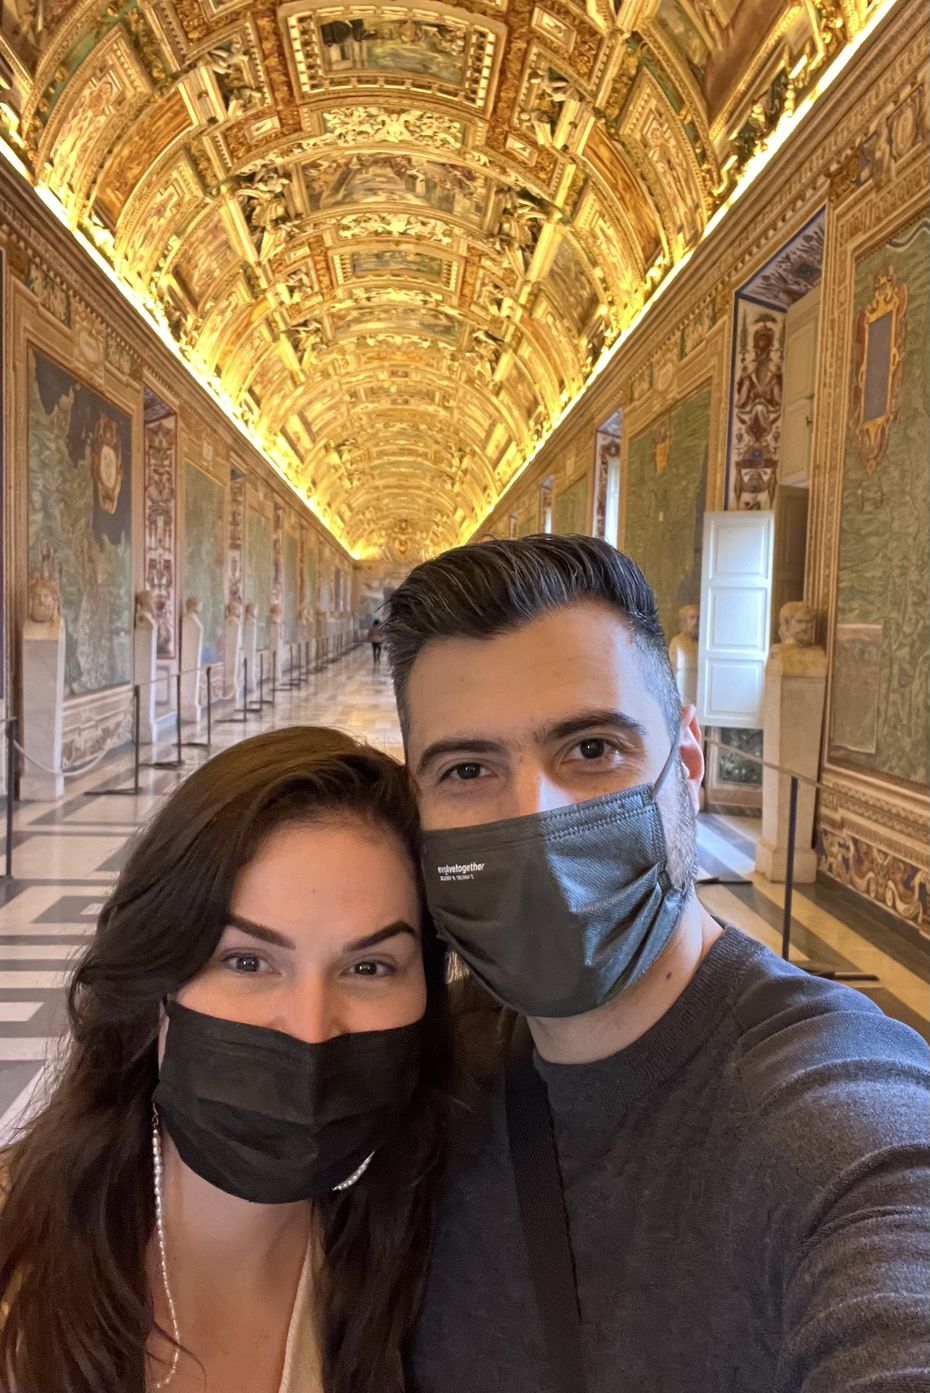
[{"x": 542, "y": 1212}]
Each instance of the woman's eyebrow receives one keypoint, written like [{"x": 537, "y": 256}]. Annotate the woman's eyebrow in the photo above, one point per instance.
[
  {"x": 236, "y": 921},
  {"x": 399, "y": 926}
]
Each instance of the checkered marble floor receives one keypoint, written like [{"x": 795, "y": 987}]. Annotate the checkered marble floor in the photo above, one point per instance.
[{"x": 66, "y": 856}]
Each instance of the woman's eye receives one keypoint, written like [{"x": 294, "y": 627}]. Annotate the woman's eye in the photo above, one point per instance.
[
  {"x": 249, "y": 963},
  {"x": 371, "y": 969}
]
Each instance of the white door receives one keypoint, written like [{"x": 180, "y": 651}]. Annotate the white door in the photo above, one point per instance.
[
  {"x": 800, "y": 376},
  {"x": 736, "y": 590}
]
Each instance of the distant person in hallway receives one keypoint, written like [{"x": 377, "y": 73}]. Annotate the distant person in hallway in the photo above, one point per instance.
[
  {"x": 232, "y": 1186},
  {"x": 374, "y": 638},
  {"x": 728, "y": 1159}
]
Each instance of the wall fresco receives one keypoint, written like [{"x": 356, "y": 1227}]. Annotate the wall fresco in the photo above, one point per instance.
[
  {"x": 663, "y": 520},
  {"x": 80, "y": 505},
  {"x": 883, "y": 579},
  {"x": 259, "y": 568},
  {"x": 205, "y": 555},
  {"x": 569, "y": 513},
  {"x": 291, "y": 582}
]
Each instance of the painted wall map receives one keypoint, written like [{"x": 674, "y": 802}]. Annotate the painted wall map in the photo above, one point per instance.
[
  {"x": 569, "y": 514},
  {"x": 259, "y": 568},
  {"x": 663, "y": 518},
  {"x": 291, "y": 582},
  {"x": 80, "y": 505},
  {"x": 205, "y": 555},
  {"x": 881, "y": 660}
]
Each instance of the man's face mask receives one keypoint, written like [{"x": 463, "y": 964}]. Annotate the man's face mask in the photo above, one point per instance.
[
  {"x": 559, "y": 912},
  {"x": 272, "y": 1119}
]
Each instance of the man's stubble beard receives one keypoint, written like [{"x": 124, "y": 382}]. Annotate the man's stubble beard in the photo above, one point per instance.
[{"x": 680, "y": 823}]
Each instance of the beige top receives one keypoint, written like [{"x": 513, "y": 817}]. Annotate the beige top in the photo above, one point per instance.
[{"x": 302, "y": 1372}]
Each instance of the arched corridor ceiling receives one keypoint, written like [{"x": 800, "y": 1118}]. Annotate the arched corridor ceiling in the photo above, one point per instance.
[{"x": 400, "y": 237}]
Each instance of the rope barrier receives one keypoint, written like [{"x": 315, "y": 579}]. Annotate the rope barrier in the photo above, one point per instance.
[{"x": 70, "y": 771}]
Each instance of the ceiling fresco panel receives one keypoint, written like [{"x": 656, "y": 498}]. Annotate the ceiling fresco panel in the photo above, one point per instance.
[{"x": 399, "y": 237}]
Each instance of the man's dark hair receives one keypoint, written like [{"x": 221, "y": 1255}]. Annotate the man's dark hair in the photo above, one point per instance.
[{"x": 499, "y": 585}]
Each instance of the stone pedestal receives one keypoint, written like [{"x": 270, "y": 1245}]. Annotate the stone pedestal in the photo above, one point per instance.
[
  {"x": 795, "y": 689},
  {"x": 191, "y": 656},
  {"x": 232, "y": 656},
  {"x": 145, "y": 673},
  {"x": 249, "y": 642},
  {"x": 43, "y": 707}
]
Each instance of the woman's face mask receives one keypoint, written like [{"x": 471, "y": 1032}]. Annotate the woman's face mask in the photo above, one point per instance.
[
  {"x": 291, "y": 1054},
  {"x": 272, "y": 1119}
]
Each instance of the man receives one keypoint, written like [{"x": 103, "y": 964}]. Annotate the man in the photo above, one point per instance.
[
  {"x": 375, "y": 639},
  {"x": 742, "y": 1147}
]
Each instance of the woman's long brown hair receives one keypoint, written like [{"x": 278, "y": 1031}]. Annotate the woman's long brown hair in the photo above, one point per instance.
[{"x": 78, "y": 1211}]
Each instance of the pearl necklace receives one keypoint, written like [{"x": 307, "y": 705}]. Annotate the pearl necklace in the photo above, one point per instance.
[
  {"x": 158, "y": 1171},
  {"x": 163, "y": 1253}
]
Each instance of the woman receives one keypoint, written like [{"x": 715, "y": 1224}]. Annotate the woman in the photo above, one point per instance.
[{"x": 232, "y": 1186}]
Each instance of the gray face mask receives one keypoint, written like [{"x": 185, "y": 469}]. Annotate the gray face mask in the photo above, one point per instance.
[{"x": 558, "y": 912}]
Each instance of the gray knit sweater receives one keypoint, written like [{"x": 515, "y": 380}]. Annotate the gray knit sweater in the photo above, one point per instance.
[{"x": 746, "y": 1188}]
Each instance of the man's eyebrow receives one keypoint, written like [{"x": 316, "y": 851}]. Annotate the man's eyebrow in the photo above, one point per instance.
[
  {"x": 279, "y": 940},
  {"x": 586, "y": 720},
  {"x": 457, "y": 745},
  {"x": 400, "y": 926}
]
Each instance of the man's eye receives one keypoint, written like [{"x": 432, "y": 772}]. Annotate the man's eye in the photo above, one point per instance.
[
  {"x": 594, "y": 748},
  {"x": 464, "y": 773}
]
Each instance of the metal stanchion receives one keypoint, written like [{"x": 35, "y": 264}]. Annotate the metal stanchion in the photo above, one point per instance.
[
  {"x": 205, "y": 744},
  {"x": 240, "y": 716},
  {"x": 178, "y": 761},
  {"x": 789, "y": 868},
  {"x": 274, "y": 675},
  {"x": 12, "y": 730},
  {"x": 136, "y": 740}
]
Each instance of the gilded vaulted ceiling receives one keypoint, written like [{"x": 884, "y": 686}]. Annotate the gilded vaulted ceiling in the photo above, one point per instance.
[{"x": 399, "y": 237}]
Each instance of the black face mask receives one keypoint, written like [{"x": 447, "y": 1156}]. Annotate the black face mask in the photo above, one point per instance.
[
  {"x": 559, "y": 912},
  {"x": 272, "y": 1119}
]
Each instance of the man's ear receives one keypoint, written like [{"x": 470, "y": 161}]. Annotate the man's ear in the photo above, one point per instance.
[{"x": 691, "y": 753}]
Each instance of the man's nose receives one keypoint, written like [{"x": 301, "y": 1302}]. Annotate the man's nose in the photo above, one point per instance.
[{"x": 534, "y": 790}]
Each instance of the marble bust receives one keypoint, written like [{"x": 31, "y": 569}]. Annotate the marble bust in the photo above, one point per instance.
[
  {"x": 251, "y": 610},
  {"x": 192, "y": 605},
  {"x": 234, "y": 610},
  {"x": 145, "y": 610},
  {"x": 797, "y": 654},
  {"x": 683, "y": 653},
  {"x": 43, "y": 606}
]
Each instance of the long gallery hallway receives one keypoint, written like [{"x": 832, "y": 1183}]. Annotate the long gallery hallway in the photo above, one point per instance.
[{"x": 67, "y": 855}]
